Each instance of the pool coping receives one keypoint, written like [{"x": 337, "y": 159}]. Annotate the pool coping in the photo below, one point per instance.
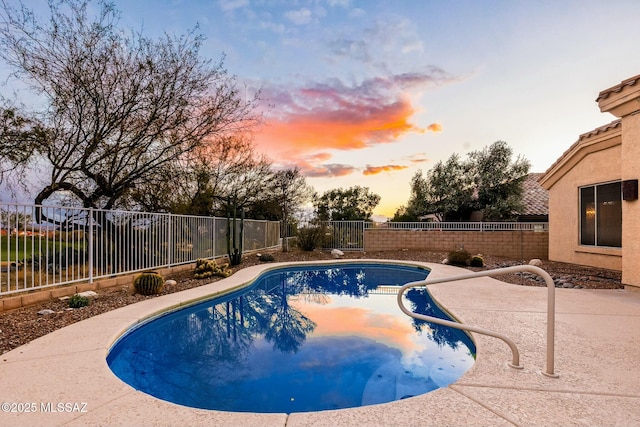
[{"x": 66, "y": 371}]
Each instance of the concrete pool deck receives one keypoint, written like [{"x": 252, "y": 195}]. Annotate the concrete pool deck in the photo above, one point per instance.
[{"x": 597, "y": 358}]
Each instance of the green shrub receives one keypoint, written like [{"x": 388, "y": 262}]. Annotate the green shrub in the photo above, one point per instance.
[
  {"x": 150, "y": 283},
  {"x": 476, "y": 261},
  {"x": 309, "y": 237},
  {"x": 209, "y": 267},
  {"x": 266, "y": 258},
  {"x": 459, "y": 257},
  {"x": 77, "y": 301}
]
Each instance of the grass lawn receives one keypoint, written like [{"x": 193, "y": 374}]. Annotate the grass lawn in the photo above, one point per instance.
[{"x": 15, "y": 248}]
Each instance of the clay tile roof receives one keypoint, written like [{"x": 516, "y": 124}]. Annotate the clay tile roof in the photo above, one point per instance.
[
  {"x": 619, "y": 87},
  {"x": 534, "y": 197}
]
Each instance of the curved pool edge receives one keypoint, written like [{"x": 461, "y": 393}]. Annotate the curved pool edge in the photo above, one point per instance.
[
  {"x": 247, "y": 276},
  {"x": 69, "y": 365}
]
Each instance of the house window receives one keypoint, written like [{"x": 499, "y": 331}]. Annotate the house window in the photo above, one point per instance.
[{"x": 601, "y": 215}]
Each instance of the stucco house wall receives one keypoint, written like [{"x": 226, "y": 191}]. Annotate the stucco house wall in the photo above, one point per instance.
[
  {"x": 595, "y": 158},
  {"x": 610, "y": 153}
]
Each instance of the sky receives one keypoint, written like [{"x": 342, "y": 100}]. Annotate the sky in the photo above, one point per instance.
[{"x": 368, "y": 92}]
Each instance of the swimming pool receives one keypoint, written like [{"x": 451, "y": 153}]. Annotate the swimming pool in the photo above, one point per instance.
[{"x": 298, "y": 339}]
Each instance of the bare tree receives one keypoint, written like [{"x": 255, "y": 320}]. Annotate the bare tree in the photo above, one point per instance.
[
  {"x": 290, "y": 191},
  {"x": 239, "y": 188},
  {"x": 118, "y": 107},
  {"x": 200, "y": 174},
  {"x": 18, "y": 138}
]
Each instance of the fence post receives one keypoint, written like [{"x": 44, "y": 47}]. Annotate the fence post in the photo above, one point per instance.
[
  {"x": 215, "y": 237},
  {"x": 169, "y": 242},
  {"x": 90, "y": 244}
]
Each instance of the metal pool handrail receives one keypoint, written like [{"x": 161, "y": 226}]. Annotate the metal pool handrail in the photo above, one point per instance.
[{"x": 551, "y": 311}]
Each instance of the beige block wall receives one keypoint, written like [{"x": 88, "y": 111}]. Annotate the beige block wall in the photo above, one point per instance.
[
  {"x": 564, "y": 242},
  {"x": 631, "y": 209},
  {"x": 517, "y": 244}
]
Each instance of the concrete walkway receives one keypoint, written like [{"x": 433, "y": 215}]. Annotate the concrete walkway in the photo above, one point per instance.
[{"x": 63, "y": 379}]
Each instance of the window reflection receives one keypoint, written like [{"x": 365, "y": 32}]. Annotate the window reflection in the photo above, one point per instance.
[{"x": 601, "y": 215}]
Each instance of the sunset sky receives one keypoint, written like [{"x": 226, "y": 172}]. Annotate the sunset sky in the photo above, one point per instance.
[{"x": 367, "y": 92}]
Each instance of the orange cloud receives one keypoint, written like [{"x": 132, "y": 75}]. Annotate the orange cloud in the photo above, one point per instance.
[
  {"x": 319, "y": 157},
  {"x": 419, "y": 158},
  {"x": 372, "y": 170},
  {"x": 334, "y": 116},
  {"x": 435, "y": 127},
  {"x": 358, "y": 127}
]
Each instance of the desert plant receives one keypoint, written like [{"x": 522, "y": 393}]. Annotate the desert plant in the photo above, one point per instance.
[
  {"x": 266, "y": 257},
  {"x": 234, "y": 242},
  {"x": 459, "y": 257},
  {"x": 77, "y": 301},
  {"x": 476, "y": 261},
  {"x": 149, "y": 283},
  {"x": 309, "y": 237},
  {"x": 209, "y": 267}
]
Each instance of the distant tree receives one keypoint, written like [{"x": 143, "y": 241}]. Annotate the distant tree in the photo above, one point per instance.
[
  {"x": 239, "y": 189},
  {"x": 117, "y": 107},
  {"x": 498, "y": 181},
  {"x": 446, "y": 191},
  {"x": 489, "y": 181},
  {"x": 402, "y": 214},
  {"x": 198, "y": 178},
  {"x": 449, "y": 190},
  {"x": 354, "y": 203},
  {"x": 291, "y": 191}
]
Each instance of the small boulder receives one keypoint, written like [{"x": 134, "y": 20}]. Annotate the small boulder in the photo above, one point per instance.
[
  {"x": 170, "y": 282},
  {"x": 88, "y": 294},
  {"x": 535, "y": 262},
  {"x": 45, "y": 312},
  {"x": 337, "y": 253}
]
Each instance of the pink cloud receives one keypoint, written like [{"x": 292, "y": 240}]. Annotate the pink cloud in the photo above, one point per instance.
[{"x": 326, "y": 170}]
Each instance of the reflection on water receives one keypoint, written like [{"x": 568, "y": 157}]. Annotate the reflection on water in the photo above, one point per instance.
[{"x": 302, "y": 339}]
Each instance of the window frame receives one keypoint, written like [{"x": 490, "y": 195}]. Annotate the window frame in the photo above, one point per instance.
[{"x": 581, "y": 216}]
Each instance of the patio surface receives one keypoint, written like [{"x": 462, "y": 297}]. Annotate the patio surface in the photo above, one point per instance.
[{"x": 597, "y": 358}]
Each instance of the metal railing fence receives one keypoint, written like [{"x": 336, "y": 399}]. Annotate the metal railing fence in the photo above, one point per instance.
[
  {"x": 343, "y": 235},
  {"x": 349, "y": 235},
  {"x": 42, "y": 246},
  {"x": 461, "y": 226}
]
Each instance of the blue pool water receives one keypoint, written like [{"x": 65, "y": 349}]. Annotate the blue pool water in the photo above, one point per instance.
[{"x": 299, "y": 339}]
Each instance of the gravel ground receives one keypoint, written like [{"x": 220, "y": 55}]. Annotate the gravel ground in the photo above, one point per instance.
[{"x": 18, "y": 327}]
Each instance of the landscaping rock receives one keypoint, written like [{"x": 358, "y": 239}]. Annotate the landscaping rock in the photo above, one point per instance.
[
  {"x": 45, "y": 312},
  {"x": 170, "y": 282},
  {"x": 88, "y": 294},
  {"x": 337, "y": 253},
  {"x": 535, "y": 262}
]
